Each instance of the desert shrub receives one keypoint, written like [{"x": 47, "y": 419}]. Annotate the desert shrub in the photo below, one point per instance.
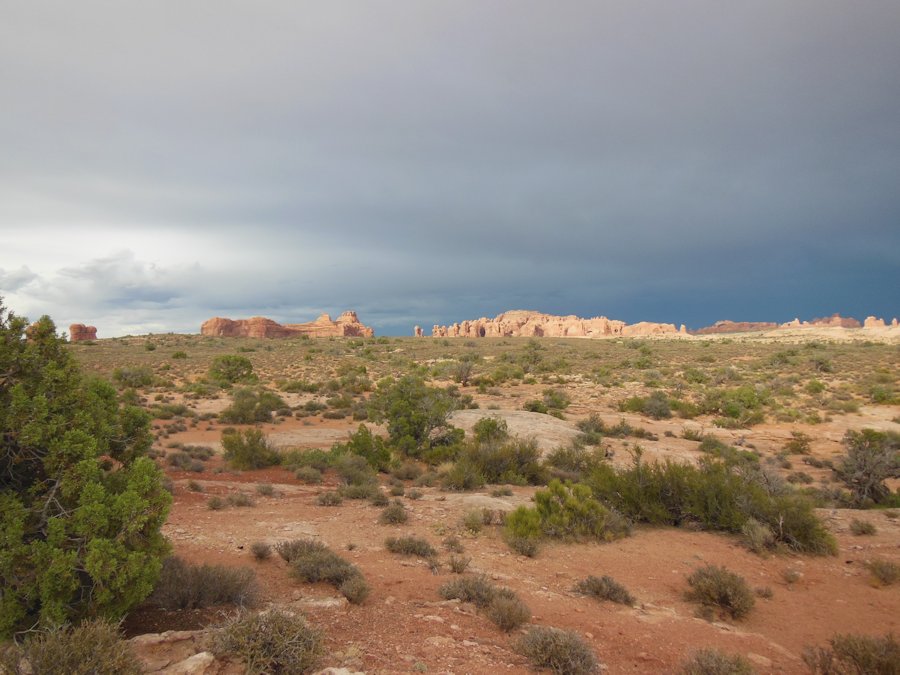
[
  {"x": 515, "y": 461},
  {"x": 885, "y": 572},
  {"x": 862, "y": 527},
  {"x": 464, "y": 475},
  {"x": 491, "y": 430},
  {"x": 412, "y": 411},
  {"x": 473, "y": 521},
  {"x": 180, "y": 354},
  {"x": 524, "y": 546},
  {"x": 507, "y": 611},
  {"x": 395, "y": 514},
  {"x": 261, "y": 550},
  {"x": 452, "y": 543},
  {"x": 265, "y": 489},
  {"x": 215, "y": 503},
  {"x": 365, "y": 491},
  {"x": 855, "y": 655},
  {"x": 718, "y": 587},
  {"x": 292, "y": 549},
  {"x": 716, "y": 495},
  {"x": 536, "y": 406},
  {"x": 309, "y": 475},
  {"x": 605, "y": 588},
  {"x": 398, "y": 490},
  {"x": 872, "y": 458},
  {"x": 194, "y": 486},
  {"x": 330, "y": 498},
  {"x": 415, "y": 494},
  {"x": 656, "y": 405},
  {"x": 738, "y": 407},
  {"x": 757, "y": 536},
  {"x": 574, "y": 461},
  {"x": 571, "y": 512},
  {"x": 407, "y": 471},
  {"x": 133, "y": 376},
  {"x": 230, "y": 368},
  {"x": 323, "y": 565},
  {"x": 93, "y": 647},
  {"x": 710, "y": 661},
  {"x": 363, "y": 443},
  {"x": 239, "y": 499},
  {"x": 81, "y": 505},
  {"x": 354, "y": 470},
  {"x": 799, "y": 443},
  {"x": 502, "y": 491},
  {"x": 185, "y": 586},
  {"x": 459, "y": 564},
  {"x": 251, "y": 405},
  {"x": 413, "y": 546},
  {"x": 272, "y": 642},
  {"x": 378, "y": 498},
  {"x": 355, "y": 589},
  {"x": 475, "y": 589},
  {"x": 248, "y": 449},
  {"x": 560, "y": 651}
]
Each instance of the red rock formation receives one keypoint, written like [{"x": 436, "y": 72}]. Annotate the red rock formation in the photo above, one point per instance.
[
  {"x": 735, "y": 327},
  {"x": 417, "y": 331},
  {"x": 78, "y": 332},
  {"x": 346, "y": 325},
  {"x": 521, "y": 323},
  {"x": 836, "y": 321}
]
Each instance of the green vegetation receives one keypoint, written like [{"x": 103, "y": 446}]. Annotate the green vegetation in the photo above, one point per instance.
[
  {"x": 248, "y": 449},
  {"x": 411, "y": 546},
  {"x": 185, "y": 586},
  {"x": 855, "y": 655},
  {"x": 94, "y": 647},
  {"x": 710, "y": 661},
  {"x": 312, "y": 561},
  {"x": 249, "y": 406},
  {"x": 272, "y": 642},
  {"x": 605, "y": 588},
  {"x": 872, "y": 458},
  {"x": 559, "y": 651},
  {"x": 500, "y": 605},
  {"x": 79, "y": 534},
  {"x": 230, "y": 369},
  {"x": 717, "y": 587}
]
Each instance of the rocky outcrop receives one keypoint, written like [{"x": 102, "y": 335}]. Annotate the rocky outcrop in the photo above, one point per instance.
[
  {"x": 522, "y": 323},
  {"x": 78, "y": 332},
  {"x": 836, "y": 321},
  {"x": 346, "y": 325},
  {"x": 417, "y": 331},
  {"x": 735, "y": 327}
]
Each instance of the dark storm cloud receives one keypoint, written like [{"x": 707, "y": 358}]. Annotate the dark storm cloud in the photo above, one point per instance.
[{"x": 425, "y": 162}]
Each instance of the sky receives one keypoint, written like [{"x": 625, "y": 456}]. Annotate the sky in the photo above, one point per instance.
[{"x": 430, "y": 161}]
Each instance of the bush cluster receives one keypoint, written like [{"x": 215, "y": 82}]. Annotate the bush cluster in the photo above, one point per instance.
[
  {"x": 852, "y": 654},
  {"x": 710, "y": 661},
  {"x": 248, "y": 449},
  {"x": 410, "y": 545},
  {"x": 271, "y": 642},
  {"x": 717, "y": 587},
  {"x": 500, "y": 605},
  {"x": 249, "y": 406},
  {"x": 560, "y": 651},
  {"x": 605, "y": 588},
  {"x": 312, "y": 561},
  {"x": 185, "y": 586}
]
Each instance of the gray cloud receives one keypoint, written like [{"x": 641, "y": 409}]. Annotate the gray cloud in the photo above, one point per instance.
[{"x": 428, "y": 162}]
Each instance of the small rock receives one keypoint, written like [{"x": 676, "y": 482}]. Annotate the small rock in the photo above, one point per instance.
[
  {"x": 760, "y": 660},
  {"x": 193, "y": 665}
]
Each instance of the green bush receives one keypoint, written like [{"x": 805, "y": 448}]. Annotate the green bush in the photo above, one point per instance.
[
  {"x": 230, "y": 369},
  {"x": 605, "y": 588},
  {"x": 185, "y": 586},
  {"x": 574, "y": 462},
  {"x": 885, "y": 572},
  {"x": 872, "y": 458},
  {"x": 323, "y": 565},
  {"x": 355, "y": 589},
  {"x": 709, "y": 661},
  {"x": 413, "y": 546},
  {"x": 464, "y": 475},
  {"x": 475, "y": 589},
  {"x": 507, "y": 611},
  {"x": 571, "y": 512},
  {"x": 309, "y": 475},
  {"x": 855, "y": 655},
  {"x": 739, "y": 407},
  {"x": 93, "y": 647},
  {"x": 331, "y": 498},
  {"x": 133, "y": 377},
  {"x": 862, "y": 527},
  {"x": 412, "y": 411},
  {"x": 715, "y": 495},
  {"x": 251, "y": 405},
  {"x": 395, "y": 514},
  {"x": 81, "y": 505},
  {"x": 272, "y": 642},
  {"x": 367, "y": 445},
  {"x": 248, "y": 449},
  {"x": 355, "y": 470},
  {"x": 261, "y": 550},
  {"x": 297, "y": 548},
  {"x": 516, "y": 461},
  {"x": 718, "y": 587},
  {"x": 559, "y": 651}
]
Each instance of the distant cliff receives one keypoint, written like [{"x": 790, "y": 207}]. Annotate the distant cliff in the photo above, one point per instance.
[
  {"x": 346, "y": 325},
  {"x": 522, "y": 323}
]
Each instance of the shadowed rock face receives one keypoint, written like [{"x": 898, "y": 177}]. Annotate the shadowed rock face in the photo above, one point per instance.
[
  {"x": 346, "y": 325},
  {"x": 78, "y": 332},
  {"x": 833, "y": 321},
  {"x": 522, "y": 323}
]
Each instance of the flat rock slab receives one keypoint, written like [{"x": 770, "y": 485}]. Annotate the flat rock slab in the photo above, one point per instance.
[{"x": 548, "y": 431}]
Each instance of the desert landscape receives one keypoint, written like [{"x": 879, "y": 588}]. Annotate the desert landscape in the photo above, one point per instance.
[{"x": 788, "y": 402}]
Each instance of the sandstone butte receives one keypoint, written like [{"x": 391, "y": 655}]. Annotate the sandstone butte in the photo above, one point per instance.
[
  {"x": 78, "y": 332},
  {"x": 523, "y": 323},
  {"x": 346, "y": 325}
]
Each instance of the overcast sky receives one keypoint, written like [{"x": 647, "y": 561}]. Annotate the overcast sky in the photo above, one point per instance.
[{"x": 429, "y": 161}]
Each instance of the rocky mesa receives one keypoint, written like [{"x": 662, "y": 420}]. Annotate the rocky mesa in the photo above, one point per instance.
[
  {"x": 78, "y": 332},
  {"x": 346, "y": 325},
  {"x": 524, "y": 323}
]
